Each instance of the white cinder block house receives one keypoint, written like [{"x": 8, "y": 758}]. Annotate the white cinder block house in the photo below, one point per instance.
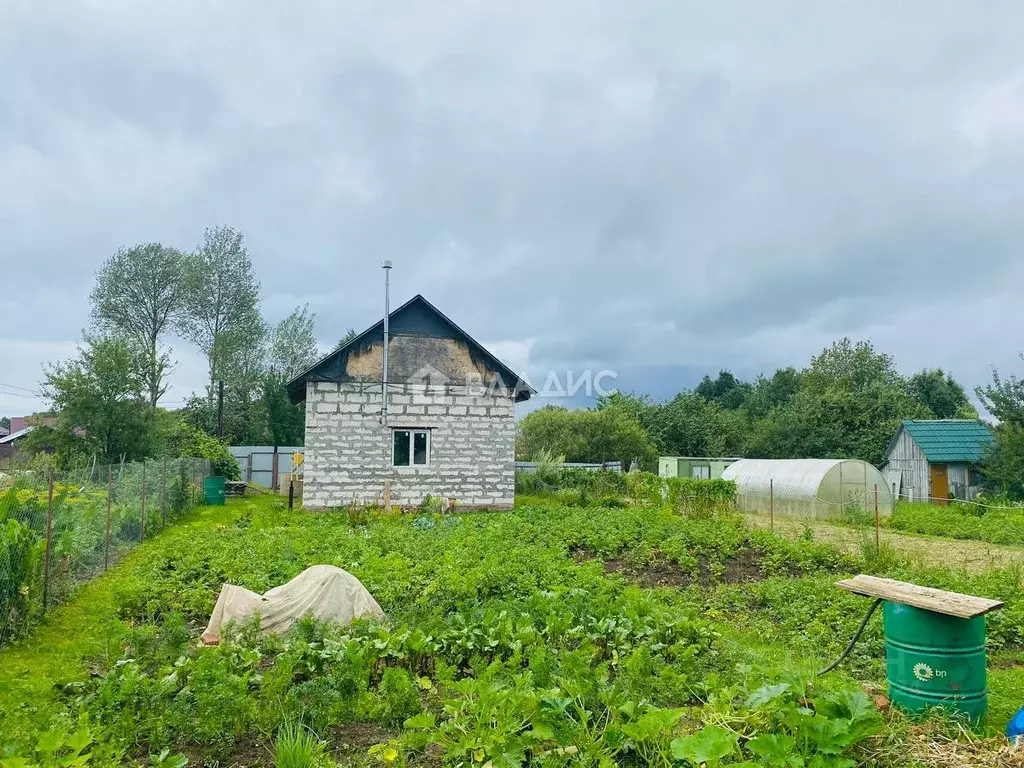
[{"x": 450, "y": 427}]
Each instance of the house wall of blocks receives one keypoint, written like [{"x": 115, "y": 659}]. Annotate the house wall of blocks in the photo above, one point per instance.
[{"x": 348, "y": 450}]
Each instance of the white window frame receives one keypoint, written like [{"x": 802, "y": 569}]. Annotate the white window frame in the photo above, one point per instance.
[{"x": 413, "y": 431}]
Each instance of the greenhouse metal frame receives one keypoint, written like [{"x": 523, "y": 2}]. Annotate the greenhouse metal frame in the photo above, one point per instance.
[{"x": 811, "y": 488}]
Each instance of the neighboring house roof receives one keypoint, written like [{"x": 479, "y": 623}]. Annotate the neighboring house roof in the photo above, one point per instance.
[
  {"x": 15, "y": 435},
  {"x": 417, "y": 317},
  {"x": 4, "y": 431},
  {"x": 18, "y": 423},
  {"x": 949, "y": 440}
]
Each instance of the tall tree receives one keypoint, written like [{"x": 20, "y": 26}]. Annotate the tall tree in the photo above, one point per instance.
[
  {"x": 609, "y": 434},
  {"x": 835, "y": 422},
  {"x": 941, "y": 394},
  {"x": 243, "y": 373},
  {"x": 292, "y": 349},
  {"x": 691, "y": 425},
  {"x": 1004, "y": 461},
  {"x": 256, "y": 405},
  {"x": 770, "y": 393},
  {"x": 140, "y": 295},
  {"x": 100, "y": 404},
  {"x": 640, "y": 406},
  {"x": 293, "y": 346},
  {"x": 1004, "y": 398},
  {"x": 349, "y": 335},
  {"x": 222, "y": 316},
  {"x": 726, "y": 390},
  {"x": 849, "y": 404},
  {"x": 850, "y": 365}
]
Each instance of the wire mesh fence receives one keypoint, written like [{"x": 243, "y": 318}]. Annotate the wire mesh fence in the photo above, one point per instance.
[{"x": 61, "y": 529}]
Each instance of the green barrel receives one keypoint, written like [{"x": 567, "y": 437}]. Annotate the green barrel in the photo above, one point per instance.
[
  {"x": 935, "y": 660},
  {"x": 213, "y": 490}
]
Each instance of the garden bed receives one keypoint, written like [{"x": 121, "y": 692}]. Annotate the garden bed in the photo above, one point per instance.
[
  {"x": 528, "y": 637},
  {"x": 743, "y": 565}
]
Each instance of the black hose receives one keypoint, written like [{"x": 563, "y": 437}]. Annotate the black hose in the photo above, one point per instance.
[{"x": 853, "y": 640}]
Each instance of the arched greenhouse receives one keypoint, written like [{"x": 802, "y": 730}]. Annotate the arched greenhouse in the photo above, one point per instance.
[{"x": 814, "y": 488}]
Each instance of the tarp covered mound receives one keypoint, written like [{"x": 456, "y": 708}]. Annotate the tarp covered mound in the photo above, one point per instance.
[{"x": 322, "y": 591}]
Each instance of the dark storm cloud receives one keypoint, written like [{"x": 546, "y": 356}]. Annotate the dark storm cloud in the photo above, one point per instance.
[{"x": 658, "y": 188}]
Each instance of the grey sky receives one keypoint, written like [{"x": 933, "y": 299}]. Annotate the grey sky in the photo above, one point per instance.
[{"x": 659, "y": 188}]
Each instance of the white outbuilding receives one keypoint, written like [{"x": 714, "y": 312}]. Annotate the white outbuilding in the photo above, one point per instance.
[{"x": 812, "y": 488}]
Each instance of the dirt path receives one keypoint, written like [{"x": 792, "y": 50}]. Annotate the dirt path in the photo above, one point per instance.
[{"x": 925, "y": 551}]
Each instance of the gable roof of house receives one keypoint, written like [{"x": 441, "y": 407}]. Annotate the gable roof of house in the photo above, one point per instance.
[
  {"x": 417, "y": 317},
  {"x": 949, "y": 440}
]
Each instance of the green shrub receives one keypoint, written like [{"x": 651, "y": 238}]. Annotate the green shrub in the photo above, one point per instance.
[
  {"x": 688, "y": 494},
  {"x": 549, "y": 466},
  {"x": 22, "y": 551},
  {"x": 400, "y": 697},
  {"x": 645, "y": 488},
  {"x": 588, "y": 483},
  {"x": 529, "y": 484},
  {"x": 431, "y": 505},
  {"x": 187, "y": 441}
]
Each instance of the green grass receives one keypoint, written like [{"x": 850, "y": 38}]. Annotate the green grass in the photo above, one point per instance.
[
  {"x": 88, "y": 531},
  {"x": 614, "y": 631},
  {"x": 86, "y": 628},
  {"x": 960, "y": 521},
  {"x": 298, "y": 747}
]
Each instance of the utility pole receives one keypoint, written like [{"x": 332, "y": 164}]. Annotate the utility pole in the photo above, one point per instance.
[{"x": 220, "y": 408}]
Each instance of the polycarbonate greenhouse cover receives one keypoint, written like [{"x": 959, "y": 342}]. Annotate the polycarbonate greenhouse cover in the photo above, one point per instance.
[
  {"x": 825, "y": 487},
  {"x": 790, "y": 478}
]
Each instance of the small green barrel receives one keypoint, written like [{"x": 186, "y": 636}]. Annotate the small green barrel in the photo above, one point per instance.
[
  {"x": 934, "y": 660},
  {"x": 213, "y": 490}
]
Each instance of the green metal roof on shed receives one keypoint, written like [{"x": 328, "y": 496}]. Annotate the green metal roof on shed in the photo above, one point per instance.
[{"x": 950, "y": 440}]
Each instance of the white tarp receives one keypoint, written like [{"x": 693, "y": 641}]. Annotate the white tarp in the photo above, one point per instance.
[{"x": 322, "y": 591}]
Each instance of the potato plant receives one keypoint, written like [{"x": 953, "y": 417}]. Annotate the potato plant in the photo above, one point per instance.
[{"x": 552, "y": 635}]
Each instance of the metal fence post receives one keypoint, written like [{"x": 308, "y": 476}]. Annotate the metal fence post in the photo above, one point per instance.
[
  {"x": 106, "y": 543},
  {"x": 878, "y": 542},
  {"x": 142, "y": 534},
  {"x": 771, "y": 494},
  {"x": 163, "y": 495},
  {"x": 49, "y": 545}
]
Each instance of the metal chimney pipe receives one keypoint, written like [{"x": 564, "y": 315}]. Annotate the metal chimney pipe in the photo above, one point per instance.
[{"x": 387, "y": 311}]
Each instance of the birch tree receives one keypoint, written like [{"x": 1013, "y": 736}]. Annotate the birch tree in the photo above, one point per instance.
[
  {"x": 222, "y": 304},
  {"x": 140, "y": 296},
  {"x": 293, "y": 346},
  {"x": 292, "y": 349}
]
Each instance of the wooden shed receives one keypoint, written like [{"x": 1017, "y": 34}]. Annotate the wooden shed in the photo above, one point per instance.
[{"x": 936, "y": 460}]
